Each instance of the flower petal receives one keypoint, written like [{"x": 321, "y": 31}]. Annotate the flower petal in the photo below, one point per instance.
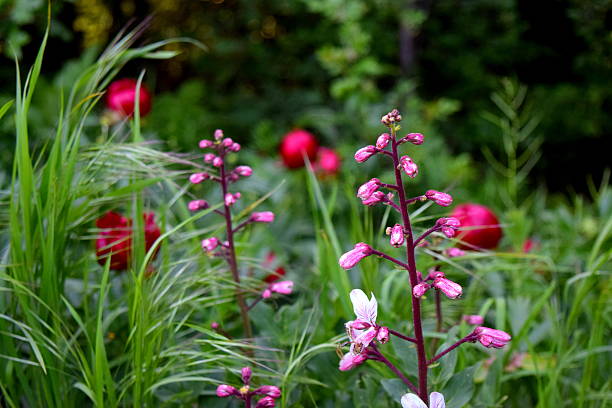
[
  {"x": 412, "y": 401},
  {"x": 364, "y": 309},
  {"x": 436, "y": 400}
]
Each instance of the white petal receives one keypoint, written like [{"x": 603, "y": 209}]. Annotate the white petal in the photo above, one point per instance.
[
  {"x": 373, "y": 309},
  {"x": 360, "y": 304},
  {"x": 412, "y": 401},
  {"x": 436, "y": 400}
]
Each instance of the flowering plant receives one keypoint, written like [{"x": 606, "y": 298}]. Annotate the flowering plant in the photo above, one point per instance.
[{"x": 364, "y": 333}]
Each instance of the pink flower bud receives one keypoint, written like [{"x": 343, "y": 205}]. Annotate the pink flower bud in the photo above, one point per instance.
[
  {"x": 266, "y": 293},
  {"x": 367, "y": 189},
  {"x": 351, "y": 360},
  {"x": 449, "y": 232},
  {"x": 230, "y": 198},
  {"x": 397, "y": 236},
  {"x": 365, "y": 153},
  {"x": 383, "y": 140},
  {"x": 375, "y": 198},
  {"x": 227, "y": 142},
  {"x": 244, "y": 171},
  {"x": 383, "y": 335},
  {"x": 218, "y": 134},
  {"x": 217, "y": 162},
  {"x": 246, "y": 374},
  {"x": 225, "y": 390},
  {"x": 209, "y": 244},
  {"x": 414, "y": 138},
  {"x": 420, "y": 289},
  {"x": 454, "y": 252},
  {"x": 352, "y": 257},
  {"x": 197, "y": 178},
  {"x": 204, "y": 143},
  {"x": 265, "y": 216},
  {"x": 451, "y": 289},
  {"x": 491, "y": 337},
  {"x": 269, "y": 390},
  {"x": 439, "y": 197},
  {"x": 409, "y": 167},
  {"x": 196, "y": 205},
  {"x": 265, "y": 402},
  {"x": 282, "y": 287},
  {"x": 215, "y": 325},
  {"x": 358, "y": 324},
  {"x": 473, "y": 319},
  {"x": 235, "y": 147},
  {"x": 391, "y": 117},
  {"x": 209, "y": 157},
  {"x": 448, "y": 222}
]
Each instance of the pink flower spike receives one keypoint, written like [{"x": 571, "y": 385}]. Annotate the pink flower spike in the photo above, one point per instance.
[
  {"x": 352, "y": 257},
  {"x": 204, "y": 143},
  {"x": 365, "y": 153},
  {"x": 473, "y": 319},
  {"x": 491, "y": 337},
  {"x": 367, "y": 189},
  {"x": 350, "y": 361},
  {"x": 218, "y": 134},
  {"x": 197, "y": 178},
  {"x": 235, "y": 147},
  {"x": 397, "y": 236},
  {"x": 244, "y": 171},
  {"x": 383, "y": 335},
  {"x": 383, "y": 140},
  {"x": 451, "y": 289},
  {"x": 209, "y": 157},
  {"x": 217, "y": 162},
  {"x": 266, "y": 402},
  {"x": 420, "y": 289},
  {"x": 439, "y": 197},
  {"x": 454, "y": 252},
  {"x": 414, "y": 138},
  {"x": 409, "y": 166},
  {"x": 209, "y": 244},
  {"x": 246, "y": 374},
  {"x": 196, "y": 205},
  {"x": 265, "y": 216},
  {"x": 282, "y": 287},
  {"x": 269, "y": 390},
  {"x": 375, "y": 198},
  {"x": 227, "y": 142},
  {"x": 225, "y": 390}
]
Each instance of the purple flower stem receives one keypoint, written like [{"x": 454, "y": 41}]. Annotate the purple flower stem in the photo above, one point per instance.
[
  {"x": 466, "y": 339},
  {"x": 414, "y": 200},
  {"x": 396, "y": 371},
  {"x": 392, "y": 204},
  {"x": 389, "y": 258},
  {"x": 231, "y": 258},
  {"x": 384, "y": 152},
  {"x": 242, "y": 225},
  {"x": 401, "y": 336},
  {"x": 390, "y": 186},
  {"x": 221, "y": 213},
  {"x": 256, "y": 301},
  {"x": 247, "y": 401},
  {"x": 412, "y": 273},
  {"x": 426, "y": 234},
  {"x": 438, "y": 312}
]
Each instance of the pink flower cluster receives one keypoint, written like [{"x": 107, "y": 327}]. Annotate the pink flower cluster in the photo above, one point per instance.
[{"x": 270, "y": 393}]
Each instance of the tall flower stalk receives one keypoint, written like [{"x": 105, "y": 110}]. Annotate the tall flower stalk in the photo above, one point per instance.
[
  {"x": 365, "y": 335},
  {"x": 222, "y": 147}
]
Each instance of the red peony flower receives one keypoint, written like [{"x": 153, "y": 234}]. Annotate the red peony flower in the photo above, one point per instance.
[
  {"x": 115, "y": 238},
  {"x": 295, "y": 144},
  {"x": 121, "y": 97},
  {"x": 480, "y": 226},
  {"x": 328, "y": 161}
]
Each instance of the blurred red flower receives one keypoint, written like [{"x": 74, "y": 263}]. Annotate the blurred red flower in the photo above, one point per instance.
[
  {"x": 115, "y": 238},
  {"x": 121, "y": 97},
  {"x": 278, "y": 272},
  {"x": 479, "y": 225},
  {"x": 328, "y": 161},
  {"x": 295, "y": 144}
]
